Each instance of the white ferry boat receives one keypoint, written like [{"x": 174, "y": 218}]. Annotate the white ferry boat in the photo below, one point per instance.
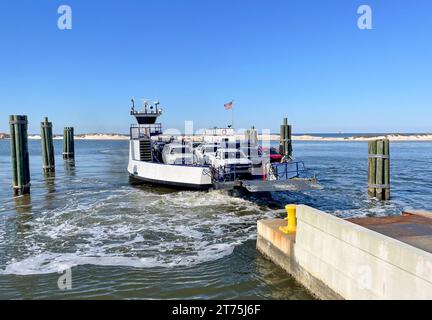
[{"x": 164, "y": 160}]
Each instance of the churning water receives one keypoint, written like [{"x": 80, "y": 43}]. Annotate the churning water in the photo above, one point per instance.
[{"x": 125, "y": 241}]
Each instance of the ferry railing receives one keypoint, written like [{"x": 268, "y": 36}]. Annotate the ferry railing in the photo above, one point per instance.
[
  {"x": 289, "y": 170},
  {"x": 145, "y": 130},
  {"x": 276, "y": 171},
  {"x": 229, "y": 173}
]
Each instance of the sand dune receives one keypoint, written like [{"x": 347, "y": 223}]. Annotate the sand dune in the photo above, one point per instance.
[
  {"x": 391, "y": 137},
  {"x": 101, "y": 136},
  {"x": 271, "y": 137},
  {"x": 92, "y": 136}
]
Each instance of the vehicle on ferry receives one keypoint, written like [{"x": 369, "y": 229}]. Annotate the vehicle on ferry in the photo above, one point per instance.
[
  {"x": 204, "y": 152},
  {"x": 234, "y": 159},
  {"x": 176, "y": 153},
  {"x": 253, "y": 153},
  {"x": 272, "y": 153}
]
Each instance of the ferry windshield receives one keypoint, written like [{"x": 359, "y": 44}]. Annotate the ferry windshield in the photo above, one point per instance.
[{"x": 233, "y": 155}]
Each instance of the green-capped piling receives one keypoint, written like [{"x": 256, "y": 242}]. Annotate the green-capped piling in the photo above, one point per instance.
[
  {"x": 285, "y": 140},
  {"x": 48, "y": 159},
  {"x": 68, "y": 143},
  {"x": 19, "y": 155},
  {"x": 379, "y": 169}
]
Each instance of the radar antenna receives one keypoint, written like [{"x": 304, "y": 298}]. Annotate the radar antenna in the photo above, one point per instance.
[
  {"x": 133, "y": 105},
  {"x": 157, "y": 103},
  {"x": 146, "y": 104}
]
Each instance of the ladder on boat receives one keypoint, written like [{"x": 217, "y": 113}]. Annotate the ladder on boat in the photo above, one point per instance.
[{"x": 145, "y": 150}]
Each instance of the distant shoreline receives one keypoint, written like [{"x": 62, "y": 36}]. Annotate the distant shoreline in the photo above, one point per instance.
[
  {"x": 392, "y": 137},
  {"x": 271, "y": 137}
]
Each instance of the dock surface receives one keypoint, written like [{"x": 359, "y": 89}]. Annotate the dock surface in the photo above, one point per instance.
[{"x": 413, "y": 229}]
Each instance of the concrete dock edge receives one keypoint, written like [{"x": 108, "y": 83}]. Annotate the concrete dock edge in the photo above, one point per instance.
[
  {"x": 286, "y": 261},
  {"x": 336, "y": 259}
]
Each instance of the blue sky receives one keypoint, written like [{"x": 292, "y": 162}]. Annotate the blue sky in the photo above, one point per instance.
[{"x": 303, "y": 59}]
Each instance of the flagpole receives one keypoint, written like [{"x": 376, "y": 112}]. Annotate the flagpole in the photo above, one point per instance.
[
  {"x": 232, "y": 118},
  {"x": 232, "y": 115}
]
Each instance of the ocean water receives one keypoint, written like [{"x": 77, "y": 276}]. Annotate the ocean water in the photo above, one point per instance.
[{"x": 140, "y": 242}]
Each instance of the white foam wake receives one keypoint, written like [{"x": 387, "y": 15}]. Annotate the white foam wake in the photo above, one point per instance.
[{"x": 135, "y": 228}]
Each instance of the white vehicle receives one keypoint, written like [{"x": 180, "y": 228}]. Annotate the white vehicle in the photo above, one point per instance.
[
  {"x": 177, "y": 154},
  {"x": 204, "y": 153},
  {"x": 231, "y": 159},
  {"x": 254, "y": 154}
]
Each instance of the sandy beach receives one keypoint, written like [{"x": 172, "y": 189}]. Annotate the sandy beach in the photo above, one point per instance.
[
  {"x": 93, "y": 136},
  {"x": 306, "y": 137},
  {"x": 391, "y": 137},
  {"x": 271, "y": 137},
  {"x": 101, "y": 136}
]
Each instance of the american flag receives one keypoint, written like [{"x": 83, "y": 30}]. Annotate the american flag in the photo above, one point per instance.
[{"x": 228, "y": 105}]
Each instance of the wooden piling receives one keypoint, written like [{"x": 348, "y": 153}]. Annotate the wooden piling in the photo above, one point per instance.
[
  {"x": 72, "y": 143},
  {"x": 48, "y": 159},
  {"x": 289, "y": 140},
  {"x": 372, "y": 148},
  {"x": 387, "y": 169},
  {"x": 19, "y": 155},
  {"x": 13, "y": 151},
  {"x": 285, "y": 141},
  {"x": 65, "y": 142},
  {"x": 379, "y": 169},
  {"x": 282, "y": 140},
  {"x": 68, "y": 143}
]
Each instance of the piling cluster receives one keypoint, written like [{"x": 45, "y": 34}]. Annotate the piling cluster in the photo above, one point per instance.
[
  {"x": 48, "y": 159},
  {"x": 285, "y": 144},
  {"x": 379, "y": 169},
  {"x": 19, "y": 155},
  {"x": 68, "y": 143}
]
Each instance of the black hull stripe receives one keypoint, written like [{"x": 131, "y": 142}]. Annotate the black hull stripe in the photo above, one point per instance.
[{"x": 177, "y": 185}]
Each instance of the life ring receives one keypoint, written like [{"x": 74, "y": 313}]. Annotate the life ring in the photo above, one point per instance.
[{"x": 224, "y": 132}]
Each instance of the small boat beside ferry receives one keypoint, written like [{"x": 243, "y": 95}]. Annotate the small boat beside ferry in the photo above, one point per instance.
[{"x": 217, "y": 161}]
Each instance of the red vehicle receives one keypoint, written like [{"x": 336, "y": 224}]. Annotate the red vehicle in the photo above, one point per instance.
[{"x": 275, "y": 156}]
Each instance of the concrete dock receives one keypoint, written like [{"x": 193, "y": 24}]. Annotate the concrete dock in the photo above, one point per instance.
[
  {"x": 363, "y": 258},
  {"x": 413, "y": 228}
]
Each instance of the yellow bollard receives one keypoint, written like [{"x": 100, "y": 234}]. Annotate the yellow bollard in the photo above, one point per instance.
[{"x": 292, "y": 219}]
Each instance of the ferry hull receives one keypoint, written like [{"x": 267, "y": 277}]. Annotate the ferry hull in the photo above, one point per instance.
[
  {"x": 176, "y": 176},
  {"x": 169, "y": 184}
]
